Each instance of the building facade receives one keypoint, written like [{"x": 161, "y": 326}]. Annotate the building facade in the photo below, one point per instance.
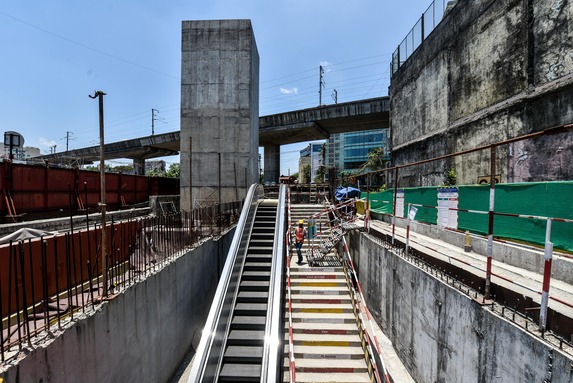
[{"x": 347, "y": 152}]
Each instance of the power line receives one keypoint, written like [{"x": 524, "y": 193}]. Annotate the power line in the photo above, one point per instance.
[{"x": 86, "y": 46}]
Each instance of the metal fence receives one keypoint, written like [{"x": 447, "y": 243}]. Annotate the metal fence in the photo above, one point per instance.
[
  {"x": 48, "y": 281},
  {"x": 425, "y": 25}
]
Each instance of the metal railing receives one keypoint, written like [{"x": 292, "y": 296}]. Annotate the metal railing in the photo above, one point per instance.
[
  {"x": 47, "y": 282},
  {"x": 425, "y": 25},
  {"x": 517, "y": 315}
]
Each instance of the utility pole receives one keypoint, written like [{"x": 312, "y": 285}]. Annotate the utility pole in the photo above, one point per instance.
[
  {"x": 320, "y": 85},
  {"x": 99, "y": 95},
  {"x": 68, "y": 134},
  {"x": 153, "y": 120},
  {"x": 335, "y": 96}
]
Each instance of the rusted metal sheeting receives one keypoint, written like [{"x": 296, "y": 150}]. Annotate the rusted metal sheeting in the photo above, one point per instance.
[{"x": 35, "y": 270}]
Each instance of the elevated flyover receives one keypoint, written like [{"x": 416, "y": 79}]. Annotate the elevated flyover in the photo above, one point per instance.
[
  {"x": 320, "y": 122},
  {"x": 274, "y": 130}
]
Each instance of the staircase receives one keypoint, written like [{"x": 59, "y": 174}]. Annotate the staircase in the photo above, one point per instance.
[{"x": 326, "y": 342}]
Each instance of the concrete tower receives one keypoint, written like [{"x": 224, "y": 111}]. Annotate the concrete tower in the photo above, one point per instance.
[{"x": 219, "y": 111}]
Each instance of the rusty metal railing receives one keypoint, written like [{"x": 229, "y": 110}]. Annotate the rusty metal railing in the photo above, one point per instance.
[{"x": 48, "y": 281}]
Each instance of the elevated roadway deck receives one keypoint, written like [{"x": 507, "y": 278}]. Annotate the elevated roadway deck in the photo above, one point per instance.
[{"x": 274, "y": 130}]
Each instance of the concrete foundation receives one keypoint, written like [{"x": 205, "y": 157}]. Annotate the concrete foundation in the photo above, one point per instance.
[
  {"x": 442, "y": 335},
  {"x": 491, "y": 70},
  {"x": 141, "y": 335},
  {"x": 219, "y": 111}
]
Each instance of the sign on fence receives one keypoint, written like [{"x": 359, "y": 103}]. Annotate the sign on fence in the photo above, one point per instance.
[{"x": 448, "y": 198}]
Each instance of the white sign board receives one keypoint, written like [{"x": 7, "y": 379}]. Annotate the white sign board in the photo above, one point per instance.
[
  {"x": 412, "y": 213},
  {"x": 400, "y": 203},
  {"x": 448, "y": 199}
]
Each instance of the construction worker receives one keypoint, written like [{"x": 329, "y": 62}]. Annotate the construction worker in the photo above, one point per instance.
[{"x": 300, "y": 234}]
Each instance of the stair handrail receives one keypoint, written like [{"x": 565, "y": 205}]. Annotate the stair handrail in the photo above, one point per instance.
[
  {"x": 209, "y": 354},
  {"x": 288, "y": 239}
]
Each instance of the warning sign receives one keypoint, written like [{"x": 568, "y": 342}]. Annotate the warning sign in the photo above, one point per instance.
[{"x": 448, "y": 199}]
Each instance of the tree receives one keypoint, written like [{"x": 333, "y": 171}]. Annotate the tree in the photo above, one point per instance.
[
  {"x": 295, "y": 176},
  {"x": 376, "y": 160},
  {"x": 174, "y": 171},
  {"x": 156, "y": 173},
  {"x": 126, "y": 169},
  {"x": 306, "y": 173},
  {"x": 451, "y": 178},
  {"x": 320, "y": 174}
]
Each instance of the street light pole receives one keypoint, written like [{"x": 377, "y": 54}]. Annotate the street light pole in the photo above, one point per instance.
[{"x": 99, "y": 95}]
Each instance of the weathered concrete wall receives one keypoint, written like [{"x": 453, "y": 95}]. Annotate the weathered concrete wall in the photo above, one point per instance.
[
  {"x": 492, "y": 70},
  {"x": 142, "y": 335},
  {"x": 219, "y": 111},
  {"x": 440, "y": 334}
]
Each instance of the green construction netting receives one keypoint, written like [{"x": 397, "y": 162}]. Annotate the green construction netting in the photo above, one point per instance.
[{"x": 544, "y": 199}]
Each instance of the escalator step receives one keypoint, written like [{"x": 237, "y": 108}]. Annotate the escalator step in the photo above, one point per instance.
[
  {"x": 246, "y": 338},
  {"x": 254, "y": 285},
  {"x": 256, "y": 276},
  {"x": 243, "y": 354},
  {"x": 253, "y": 296},
  {"x": 231, "y": 372},
  {"x": 251, "y": 309},
  {"x": 251, "y": 323},
  {"x": 257, "y": 266}
]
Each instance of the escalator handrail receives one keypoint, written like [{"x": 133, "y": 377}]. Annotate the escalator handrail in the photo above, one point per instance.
[
  {"x": 272, "y": 351},
  {"x": 209, "y": 354}
]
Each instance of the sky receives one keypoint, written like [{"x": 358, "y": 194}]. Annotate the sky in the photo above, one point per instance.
[{"x": 55, "y": 53}]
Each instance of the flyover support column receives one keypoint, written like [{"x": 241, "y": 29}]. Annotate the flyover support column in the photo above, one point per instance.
[
  {"x": 219, "y": 111},
  {"x": 272, "y": 163},
  {"x": 139, "y": 167}
]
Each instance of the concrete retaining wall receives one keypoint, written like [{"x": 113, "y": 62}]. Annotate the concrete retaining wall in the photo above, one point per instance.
[
  {"x": 443, "y": 336},
  {"x": 142, "y": 335},
  {"x": 490, "y": 71}
]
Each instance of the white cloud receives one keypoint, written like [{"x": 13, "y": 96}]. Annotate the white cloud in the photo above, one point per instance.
[
  {"x": 289, "y": 91},
  {"x": 46, "y": 142}
]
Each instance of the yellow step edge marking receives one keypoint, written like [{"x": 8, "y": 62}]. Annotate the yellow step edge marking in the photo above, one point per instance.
[
  {"x": 319, "y": 310},
  {"x": 318, "y": 284}
]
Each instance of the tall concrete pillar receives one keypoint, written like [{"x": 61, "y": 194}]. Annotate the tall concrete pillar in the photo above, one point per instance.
[
  {"x": 219, "y": 111},
  {"x": 139, "y": 167},
  {"x": 272, "y": 163}
]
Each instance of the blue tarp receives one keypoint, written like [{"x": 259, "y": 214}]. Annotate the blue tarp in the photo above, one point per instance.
[{"x": 342, "y": 193}]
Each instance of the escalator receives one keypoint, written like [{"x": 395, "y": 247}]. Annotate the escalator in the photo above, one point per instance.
[{"x": 241, "y": 339}]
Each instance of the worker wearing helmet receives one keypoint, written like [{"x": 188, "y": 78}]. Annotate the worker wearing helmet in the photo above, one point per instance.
[{"x": 300, "y": 233}]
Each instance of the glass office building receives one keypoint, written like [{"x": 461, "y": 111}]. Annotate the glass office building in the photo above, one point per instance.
[{"x": 349, "y": 151}]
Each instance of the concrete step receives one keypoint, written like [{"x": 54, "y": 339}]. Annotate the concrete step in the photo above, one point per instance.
[
  {"x": 321, "y": 328},
  {"x": 320, "y": 299},
  {"x": 311, "y": 274},
  {"x": 334, "y": 352},
  {"x": 318, "y": 283},
  {"x": 325, "y": 290},
  {"x": 323, "y": 318},
  {"x": 322, "y": 308},
  {"x": 327, "y": 340},
  {"x": 328, "y": 366},
  {"x": 307, "y": 377}
]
